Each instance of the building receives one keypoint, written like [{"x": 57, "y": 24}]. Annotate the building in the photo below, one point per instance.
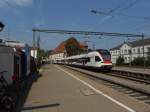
[
  {"x": 34, "y": 51},
  {"x": 60, "y": 52},
  {"x": 131, "y": 50}
]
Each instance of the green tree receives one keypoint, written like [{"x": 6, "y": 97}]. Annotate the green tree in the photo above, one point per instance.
[
  {"x": 148, "y": 61},
  {"x": 42, "y": 54},
  {"x": 138, "y": 61},
  {"x": 72, "y": 47},
  {"x": 120, "y": 61}
]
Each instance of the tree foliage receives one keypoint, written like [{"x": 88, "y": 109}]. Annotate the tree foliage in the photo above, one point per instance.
[
  {"x": 120, "y": 61},
  {"x": 43, "y": 54},
  {"x": 148, "y": 61},
  {"x": 138, "y": 61},
  {"x": 72, "y": 47}
]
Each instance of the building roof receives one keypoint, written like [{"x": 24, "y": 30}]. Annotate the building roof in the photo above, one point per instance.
[
  {"x": 140, "y": 42},
  {"x": 134, "y": 43},
  {"x": 83, "y": 45},
  {"x": 117, "y": 47},
  {"x": 61, "y": 47}
]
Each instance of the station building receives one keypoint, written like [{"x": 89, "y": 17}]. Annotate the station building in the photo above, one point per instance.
[
  {"x": 34, "y": 51},
  {"x": 60, "y": 52},
  {"x": 131, "y": 50}
]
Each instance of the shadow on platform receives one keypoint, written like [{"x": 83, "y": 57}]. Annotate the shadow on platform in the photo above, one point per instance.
[
  {"x": 40, "y": 107},
  {"x": 22, "y": 96}
]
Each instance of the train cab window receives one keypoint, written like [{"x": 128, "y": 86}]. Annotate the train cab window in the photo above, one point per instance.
[{"x": 97, "y": 59}]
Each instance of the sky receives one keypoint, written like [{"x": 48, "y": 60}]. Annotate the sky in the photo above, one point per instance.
[{"x": 120, "y": 16}]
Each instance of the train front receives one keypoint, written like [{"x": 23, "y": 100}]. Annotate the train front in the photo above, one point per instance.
[{"x": 106, "y": 63}]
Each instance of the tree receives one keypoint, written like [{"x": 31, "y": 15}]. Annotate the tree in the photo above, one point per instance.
[
  {"x": 120, "y": 61},
  {"x": 138, "y": 61},
  {"x": 147, "y": 62},
  {"x": 42, "y": 54},
  {"x": 1, "y": 26},
  {"x": 72, "y": 47}
]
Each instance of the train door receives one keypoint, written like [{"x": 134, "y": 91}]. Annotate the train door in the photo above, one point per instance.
[{"x": 92, "y": 60}]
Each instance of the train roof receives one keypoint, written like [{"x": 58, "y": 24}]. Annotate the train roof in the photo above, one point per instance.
[
  {"x": 85, "y": 55},
  {"x": 6, "y": 49},
  {"x": 77, "y": 56}
]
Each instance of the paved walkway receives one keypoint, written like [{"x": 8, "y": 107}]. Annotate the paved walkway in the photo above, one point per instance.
[{"x": 56, "y": 91}]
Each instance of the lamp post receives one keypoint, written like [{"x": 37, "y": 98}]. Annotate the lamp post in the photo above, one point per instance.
[
  {"x": 34, "y": 44},
  {"x": 143, "y": 50}
]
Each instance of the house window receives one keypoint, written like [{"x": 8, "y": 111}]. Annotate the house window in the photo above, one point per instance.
[
  {"x": 133, "y": 50},
  {"x": 141, "y": 49},
  {"x": 125, "y": 51},
  {"x": 138, "y": 50},
  {"x": 129, "y": 51},
  {"x": 148, "y": 50}
]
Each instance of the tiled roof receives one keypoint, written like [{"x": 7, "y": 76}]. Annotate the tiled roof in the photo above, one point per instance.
[
  {"x": 61, "y": 47},
  {"x": 117, "y": 47},
  {"x": 83, "y": 45}
]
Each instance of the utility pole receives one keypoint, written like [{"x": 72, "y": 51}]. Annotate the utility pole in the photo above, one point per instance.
[
  {"x": 93, "y": 45},
  {"x": 1, "y": 26},
  {"x": 143, "y": 51},
  {"x": 38, "y": 42},
  {"x": 34, "y": 43}
]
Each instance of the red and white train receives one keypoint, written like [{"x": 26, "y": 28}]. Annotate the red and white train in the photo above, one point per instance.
[{"x": 99, "y": 60}]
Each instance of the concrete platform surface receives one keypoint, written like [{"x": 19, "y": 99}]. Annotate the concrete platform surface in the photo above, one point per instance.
[{"x": 57, "y": 91}]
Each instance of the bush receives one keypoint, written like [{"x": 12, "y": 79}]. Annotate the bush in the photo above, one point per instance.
[
  {"x": 147, "y": 61},
  {"x": 120, "y": 61},
  {"x": 139, "y": 61},
  {"x": 72, "y": 47}
]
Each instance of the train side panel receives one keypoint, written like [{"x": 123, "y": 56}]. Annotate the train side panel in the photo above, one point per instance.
[{"x": 7, "y": 64}]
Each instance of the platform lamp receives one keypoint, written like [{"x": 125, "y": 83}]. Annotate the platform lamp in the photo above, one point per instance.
[{"x": 1, "y": 26}]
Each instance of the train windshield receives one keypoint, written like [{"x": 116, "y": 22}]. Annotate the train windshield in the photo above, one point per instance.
[{"x": 105, "y": 54}]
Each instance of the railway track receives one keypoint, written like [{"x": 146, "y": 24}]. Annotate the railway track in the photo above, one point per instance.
[
  {"x": 137, "y": 88},
  {"x": 138, "y": 77}
]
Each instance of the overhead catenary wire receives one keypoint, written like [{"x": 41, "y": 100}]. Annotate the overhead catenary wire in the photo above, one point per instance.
[
  {"x": 87, "y": 33},
  {"x": 114, "y": 11}
]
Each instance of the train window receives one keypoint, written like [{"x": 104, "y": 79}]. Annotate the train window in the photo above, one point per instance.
[
  {"x": 97, "y": 59},
  {"x": 88, "y": 59}
]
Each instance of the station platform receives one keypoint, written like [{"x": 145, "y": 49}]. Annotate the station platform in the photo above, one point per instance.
[
  {"x": 57, "y": 91},
  {"x": 134, "y": 70}
]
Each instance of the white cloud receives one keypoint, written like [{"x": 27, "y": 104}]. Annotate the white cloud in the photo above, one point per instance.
[
  {"x": 5, "y": 3},
  {"x": 22, "y": 2}
]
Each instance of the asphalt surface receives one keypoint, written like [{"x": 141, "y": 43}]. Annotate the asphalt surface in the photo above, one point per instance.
[{"x": 57, "y": 91}]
